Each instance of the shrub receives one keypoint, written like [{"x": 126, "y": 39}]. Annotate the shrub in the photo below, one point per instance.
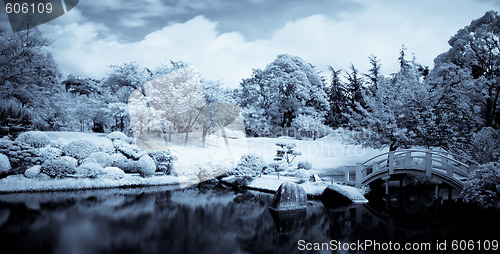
[
  {"x": 48, "y": 152},
  {"x": 59, "y": 167},
  {"x": 278, "y": 166},
  {"x": 79, "y": 149},
  {"x": 104, "y": 145},
  {"x": 36, "y": 139},
  {"x": 13, "y": 112},
  {"x": 302, "y": 175},
  {"x": 483, "y": 186},
  {"x": 112, "y": 173},
  {"x": 164, "y": 161},
  {"x": 249, "y": 165},
  {"x": 102, "y": 158},
  {"x": 89, "y": 169},
  {"x": 307, "y": 165},
  {"x": 4, "y": 164},
  {"x": 131, "y": 151},
  {"x": 117, "y": 135},
  {"x": 146, "y": 167}
]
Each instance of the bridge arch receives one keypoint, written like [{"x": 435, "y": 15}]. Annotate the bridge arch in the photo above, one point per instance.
[{"x": 437, "y": 165}]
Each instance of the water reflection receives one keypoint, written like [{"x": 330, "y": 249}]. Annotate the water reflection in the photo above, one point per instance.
[{"x": 207, "y": 220}]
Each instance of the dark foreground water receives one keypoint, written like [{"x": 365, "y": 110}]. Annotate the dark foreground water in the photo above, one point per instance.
[{"x": 216, "y": 220}]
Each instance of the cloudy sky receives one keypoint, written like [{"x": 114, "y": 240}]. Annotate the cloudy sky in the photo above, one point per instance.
[{"x": 226, "y": 39}]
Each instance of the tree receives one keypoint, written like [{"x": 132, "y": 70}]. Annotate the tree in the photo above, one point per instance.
[
  {"x": 374, "y": 74},
  {"x": 174, "y": 100},
  {"x": 396, "y": 114},
  {"x": 475, "y": 49},
  {"x": 354, "y": 88},
  {"x": 28, "y": 73},
  {"x": 285, "y": 89},
  {"x": 337, "y": 98}
]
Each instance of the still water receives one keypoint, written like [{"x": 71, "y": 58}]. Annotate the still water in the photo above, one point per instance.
[{"x": 218, "y": 220}]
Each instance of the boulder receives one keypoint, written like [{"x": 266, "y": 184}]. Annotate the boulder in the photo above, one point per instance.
[
  {"x": 146, "y": 165},
  {"x": 32, "y": 172},
  {"x": 290, "y": 196},
  {"x": 332, "y": 197},
  {"x": 4, "y": 164}
]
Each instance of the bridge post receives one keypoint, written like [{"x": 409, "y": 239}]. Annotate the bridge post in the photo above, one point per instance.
[
  {"x": 408, "y": 160},
  {"x": 346, "y": 175},
  {"x": 472, "y": 168},
  {"x": 428, "y": 164},
  {"x": 359, "y": 177},
  {"x": 391, "y": 163}
]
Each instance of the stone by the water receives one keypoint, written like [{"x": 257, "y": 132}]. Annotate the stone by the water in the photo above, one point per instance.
[
  {"x": 332, "y": 197},
  {"x": 289, "y": 197}
]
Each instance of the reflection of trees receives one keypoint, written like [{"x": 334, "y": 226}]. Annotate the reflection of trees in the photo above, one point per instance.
[{"x": 156, "y": 222}]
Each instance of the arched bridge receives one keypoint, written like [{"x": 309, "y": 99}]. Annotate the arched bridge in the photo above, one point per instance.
[{"x": 437, "y": 165}]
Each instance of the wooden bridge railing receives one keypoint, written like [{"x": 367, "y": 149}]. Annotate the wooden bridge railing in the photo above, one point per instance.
[{"x": 431, "y": 162}]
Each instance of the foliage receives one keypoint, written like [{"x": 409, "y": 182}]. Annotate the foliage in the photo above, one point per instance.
[
  {"x": 112, "y": 173},
  {"x": 102, "y": 158},
  {"x": 89, "y": 169},
  {"x": 49, "y": 152},
  {"x": 286, "y": 88},
  {"x": 475, "y": 50},
  {"x": 164, "y": 161},
  {"x": 36, "y": 139},
  {"x": 59, "y": 167},
  {"x": 485, "y": 145},
  {"x": 117, "y": 135},
  {"x": 249, "y": 165},
  {"x": 286, "y": 152},
  {"x": 13, "y": 112},
  {"x": 307, "y": 165},
  {"x": 79, "y": 149},
  {"x": 483, "y": 186}
]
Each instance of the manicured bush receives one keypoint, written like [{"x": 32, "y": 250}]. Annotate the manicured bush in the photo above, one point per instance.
[
  {"x": 483, "y": 186},
  {"x": 249, "y": 165},
  {"x": 89, "y": 169},
  {"x": 130, "y": 151},
  {"x": 79, "y": 149},
  {"x": 278, "y": 166},
  {"x": 4, "y": 164},
  {"x": 117, "y": 135},
  {"x": 49, "y": 152},
  {"x": 146, "y": 167},
  {"x": 112, "y": 173},
  {"x": 164, "y": 161},
  {"x": 307, "y": 165},
  {"x": 36, "y": 139},
  {"x": 102, "y": 158},
  {"x": 59, "y": 167},
  {"x": 302, "y": 175}
]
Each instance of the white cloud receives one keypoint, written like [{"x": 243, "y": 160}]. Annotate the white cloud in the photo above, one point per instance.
[{"x": 380, "y": 29}]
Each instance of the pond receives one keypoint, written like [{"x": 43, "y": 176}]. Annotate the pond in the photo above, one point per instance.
[{"x": 218, "y": 220}]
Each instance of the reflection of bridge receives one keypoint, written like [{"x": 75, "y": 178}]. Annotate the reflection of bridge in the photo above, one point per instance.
[
  {"x": 440, "y": 166},
  {"x": 396, "y": 228}
]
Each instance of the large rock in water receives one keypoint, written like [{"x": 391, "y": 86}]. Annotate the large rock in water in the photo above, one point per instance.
[
  {"x": 333, "y": 196},
  {"x": 289, "y": 197}
]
